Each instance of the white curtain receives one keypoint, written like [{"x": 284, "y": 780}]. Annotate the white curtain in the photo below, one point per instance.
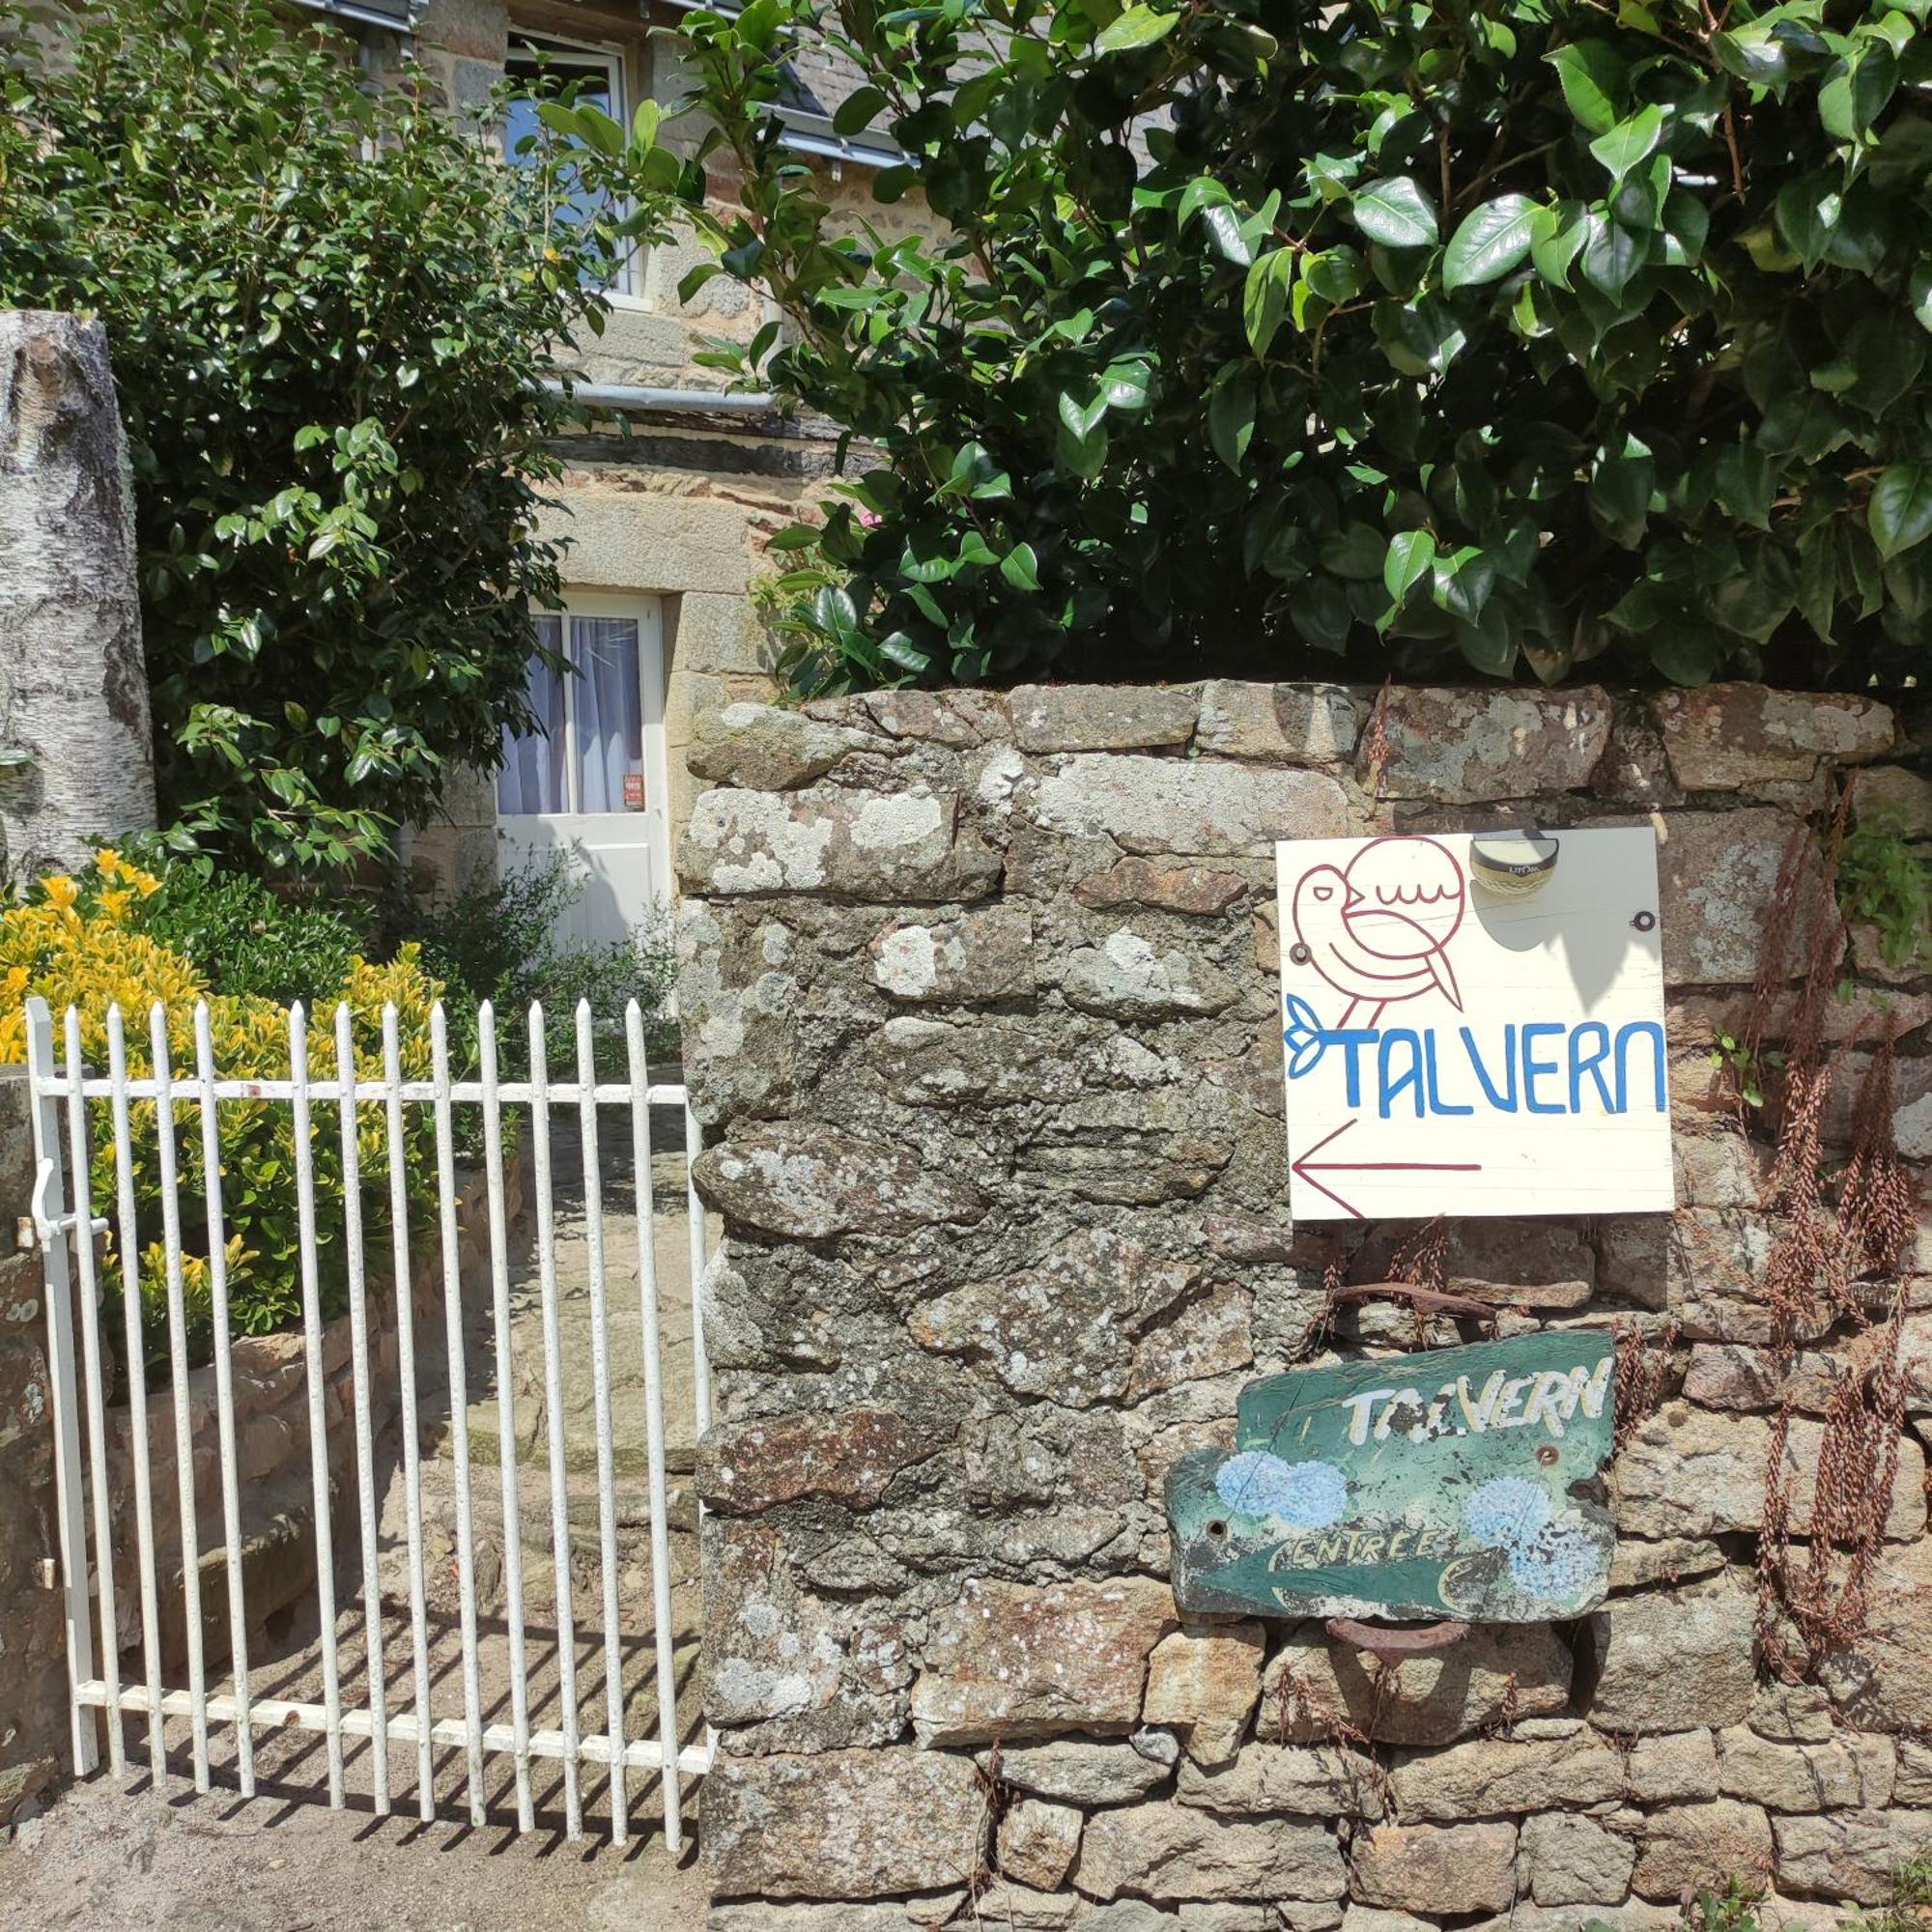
[
  {"x": 531, "y": 777},
  {"x": 609, "y": 713}
]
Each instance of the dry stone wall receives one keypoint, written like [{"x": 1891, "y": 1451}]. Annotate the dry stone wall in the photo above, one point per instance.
[
  {"x": 34, "y": 1737},
  {"x": 979, "y": 1007}
]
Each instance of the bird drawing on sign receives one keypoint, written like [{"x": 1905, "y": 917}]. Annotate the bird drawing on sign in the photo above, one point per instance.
[{"x": 1378, "y": 931}]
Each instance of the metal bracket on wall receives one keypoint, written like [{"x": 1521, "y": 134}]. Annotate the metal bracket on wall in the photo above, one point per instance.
[{"x": 1381, "y": 1640}]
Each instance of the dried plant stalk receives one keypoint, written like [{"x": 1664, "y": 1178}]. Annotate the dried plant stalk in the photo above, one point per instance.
[
  {"x": 1810, "y": 1606},
  {"x": 1876, "y": 1204},
  {"x": 1642, "y": 1373}
]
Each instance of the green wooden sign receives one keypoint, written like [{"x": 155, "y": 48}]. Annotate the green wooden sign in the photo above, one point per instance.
[{"x": 1465, "y": 1483}]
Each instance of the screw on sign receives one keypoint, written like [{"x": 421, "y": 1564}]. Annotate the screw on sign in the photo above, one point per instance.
[{"x": 1473, "y": 1024}]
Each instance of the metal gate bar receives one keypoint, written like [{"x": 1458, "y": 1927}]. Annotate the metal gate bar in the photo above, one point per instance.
[{"x": 84, "y": 1492}]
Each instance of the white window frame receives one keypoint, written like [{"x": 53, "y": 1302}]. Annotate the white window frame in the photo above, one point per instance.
[
  {"x": 565, "y": 55},
  {"x": 646, "y": 611}
]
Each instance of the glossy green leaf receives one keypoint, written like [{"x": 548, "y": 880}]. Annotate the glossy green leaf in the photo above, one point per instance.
[
  {"x": 1612, "y": 256},
  {"x": 1921, "y": 294},
  {"x": 1491, "y": 240},
  {"x": 1557, "y": 238},
  {"x": 1745, "y": 482},
  {"x": 1020, "y": 567},
  {"x": 1592, "y": 76},
  {"x": 1137, "y": 28},
  {"x": 1461, "y": 582},
  {"x": 1230, "y": 414},
  {"x": 1203, "y": 193},
  {"x": 858, "y": 110},
  {"x": 1628, "y": 142},
  {"x": 1410, "y": 556},
  {"x": 1223, "y": 224},
  {"x": 1264, "y": 297},
  {"x": 1398, "y": 214},
  {"x": 1900, "y": 514}
]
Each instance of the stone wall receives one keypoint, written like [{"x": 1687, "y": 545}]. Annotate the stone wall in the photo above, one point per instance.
[
  {"x": 33, "y": 1678},
  {"x": 979, "y": 1007}
]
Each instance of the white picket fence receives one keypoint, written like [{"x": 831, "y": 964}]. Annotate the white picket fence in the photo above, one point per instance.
[{"x": 358, "y": 1706}]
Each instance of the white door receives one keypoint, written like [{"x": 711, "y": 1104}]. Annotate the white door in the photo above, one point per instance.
[{"x": 591, "y": 783}]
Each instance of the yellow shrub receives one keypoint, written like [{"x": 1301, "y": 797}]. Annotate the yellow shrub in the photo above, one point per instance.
[{"x": 79, "y": 943}]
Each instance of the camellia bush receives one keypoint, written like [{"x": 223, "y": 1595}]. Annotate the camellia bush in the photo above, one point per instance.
[
  {"x": 331, "y": 311},
  {"x": 1355, "y": 339}
]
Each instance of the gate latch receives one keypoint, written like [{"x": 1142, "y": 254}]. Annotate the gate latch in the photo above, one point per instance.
[{"x": 36, "y": 1228}]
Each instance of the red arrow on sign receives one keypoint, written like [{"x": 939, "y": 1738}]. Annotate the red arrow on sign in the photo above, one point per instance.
[{"x": 1307, "y": 1167}]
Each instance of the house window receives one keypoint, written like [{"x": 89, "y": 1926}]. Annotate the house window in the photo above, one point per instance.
[
  {"x": 589, "y": 785},
  {"x": 544, "y": 67},
  {"x": 594, "y": 745}
]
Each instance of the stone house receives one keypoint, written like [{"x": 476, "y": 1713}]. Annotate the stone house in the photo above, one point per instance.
[{"x": 669, "y": 495}]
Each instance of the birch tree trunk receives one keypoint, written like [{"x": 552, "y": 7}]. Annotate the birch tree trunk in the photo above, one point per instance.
[{"x": 77, "y": 754}]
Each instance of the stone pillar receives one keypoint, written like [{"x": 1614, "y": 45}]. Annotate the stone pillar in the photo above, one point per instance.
[{"x": 76, "y": 759}]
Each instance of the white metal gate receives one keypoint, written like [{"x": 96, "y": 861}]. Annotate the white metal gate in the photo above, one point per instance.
[{"x": 434, "y": 1722}]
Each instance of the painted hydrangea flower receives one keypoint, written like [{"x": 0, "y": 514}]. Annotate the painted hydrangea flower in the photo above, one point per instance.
[
  {"x": 1506, "y": 1512},
  {"x": 1557, "y": 1564},
  {"x": 1303, "y": 1495}
]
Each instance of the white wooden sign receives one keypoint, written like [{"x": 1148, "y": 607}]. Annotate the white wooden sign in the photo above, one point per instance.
[{"x": 1465, "y": 1034}]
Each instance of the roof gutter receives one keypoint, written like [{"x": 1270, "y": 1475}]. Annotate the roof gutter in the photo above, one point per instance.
[{"x": 634, "y": 396}]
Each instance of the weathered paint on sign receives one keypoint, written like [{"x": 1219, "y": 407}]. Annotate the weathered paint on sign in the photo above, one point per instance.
[
  {"x": 1450, "y": 1052},
  {"x": 1464, "y": 1482}
]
